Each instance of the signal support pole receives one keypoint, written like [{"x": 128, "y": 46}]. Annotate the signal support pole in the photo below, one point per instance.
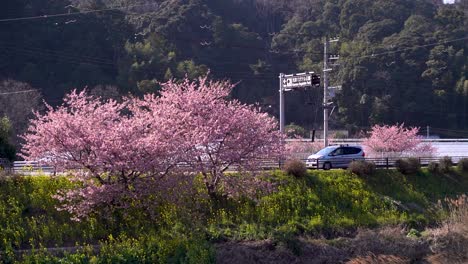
[
  {"x": 325, "y": 92},
  {"x": 281, "y": 102}
]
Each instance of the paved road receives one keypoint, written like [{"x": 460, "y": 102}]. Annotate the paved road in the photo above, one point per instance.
[
  {"x": 444, "y": 147},
  {"x": 451, "y": 148}
]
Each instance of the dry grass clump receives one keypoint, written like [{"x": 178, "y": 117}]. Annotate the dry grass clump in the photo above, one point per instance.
[
  {"x": 449, "y": 243},
  {"x": 458, "y": 215},
  {"x": 408, "y": 166},
  {"x": 362, "y": 167},
  {"x": 250, "y": 252},
  {"x": 373, "y": 259},
  {"x": 295, "y": 168},
  {"x": 387, "y": 241},
  {"x": 445, "y": 164}
]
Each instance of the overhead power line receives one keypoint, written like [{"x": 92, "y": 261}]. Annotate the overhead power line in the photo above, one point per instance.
[
  {"x": 408, "y": 48},
  {"x": 58, "y": 54},
  {"x": 63, "y": 59},
  {"x": 74, "y": 13},
  {"x": 17, "y": 92}
]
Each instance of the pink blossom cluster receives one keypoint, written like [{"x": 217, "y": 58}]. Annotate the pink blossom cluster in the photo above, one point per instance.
[
  {"x": 139, "y": 149},
  {"x": 396, "y": 140}
]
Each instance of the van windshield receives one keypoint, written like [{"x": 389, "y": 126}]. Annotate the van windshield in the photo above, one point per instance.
[{"x": 325, "y": 151}]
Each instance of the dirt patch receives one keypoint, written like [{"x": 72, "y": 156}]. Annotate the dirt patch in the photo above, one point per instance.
[
  {"x": 253, "y": 252},
  {"x": 388, "y": 245}
]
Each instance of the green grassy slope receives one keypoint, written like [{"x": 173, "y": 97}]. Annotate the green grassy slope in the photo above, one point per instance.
[{"x": 326, "y": 203}]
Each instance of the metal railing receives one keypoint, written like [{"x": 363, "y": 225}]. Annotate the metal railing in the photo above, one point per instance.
[{"x": 383, "y": 162}]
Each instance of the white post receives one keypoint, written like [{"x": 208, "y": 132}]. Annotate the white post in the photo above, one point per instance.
[
  {"x": 281, "y": 102},
  {"x": 325, "y": 93}
]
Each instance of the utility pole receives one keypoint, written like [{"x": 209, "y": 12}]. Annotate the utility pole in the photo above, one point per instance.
[
  {"x": 427, "y": 133},
  {"x": 326, "y": 88},
  {"x": 325, "y": 91}
]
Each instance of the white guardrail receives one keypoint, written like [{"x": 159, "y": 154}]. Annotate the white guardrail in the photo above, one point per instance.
[
  {"x": 31, "y": 168},
  {"x": 35, "y": 167},
  {"x": 352, "y": 140}
]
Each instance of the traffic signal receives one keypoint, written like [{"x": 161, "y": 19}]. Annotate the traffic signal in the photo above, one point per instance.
[{"x": 315, "y": 80}]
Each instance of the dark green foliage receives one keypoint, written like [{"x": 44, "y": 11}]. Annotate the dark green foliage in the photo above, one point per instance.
[
  {"x": 433, "y": 167},
  {"x": 289, "y": 240},
  {"x": 156, "y": 249},
  {"x": 417, "y": 222},
  {"x": 292, "y": 130},
  {"x": 408, "y": 165},
  {"x": 445, "y": 164},
  {"x": 463, "y": 165},
  {"x": 295, "y": 168},
  {"x": 136, "y": 47},
  {"x": 362, "y": 168},
  {"x": 146, "y": 249},
  {"x": 7, "y": 149}
]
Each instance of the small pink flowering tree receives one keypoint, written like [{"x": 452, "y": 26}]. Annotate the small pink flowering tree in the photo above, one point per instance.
[{"x": 396, "y": 140}]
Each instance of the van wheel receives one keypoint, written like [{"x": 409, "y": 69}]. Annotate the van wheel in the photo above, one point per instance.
[{"x": 327, "y": 166}]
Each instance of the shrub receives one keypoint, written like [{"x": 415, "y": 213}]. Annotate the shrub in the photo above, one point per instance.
[
  {"x": 408, "y": 165},
  {"x": 361, "y": 167},
  {"x": 463, "y": 165},
  {"x": 401, "y": 164},
  {"x": 414, "y": 164},
  {"x": 433, "y": 167},
  {"x": 445, "y": 164},
  {"x": 295, "y": 168}
]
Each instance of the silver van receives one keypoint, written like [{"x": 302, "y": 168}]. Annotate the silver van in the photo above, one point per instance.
[{"x": 335, "y": 157}]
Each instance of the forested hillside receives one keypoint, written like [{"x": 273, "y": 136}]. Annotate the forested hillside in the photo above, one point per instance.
[{"x": 400, "y": 60}]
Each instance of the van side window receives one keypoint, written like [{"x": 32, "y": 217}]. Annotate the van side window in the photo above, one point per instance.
[
  {"x": 339, "y": 151},
  {"x": 351, "y": 150}
]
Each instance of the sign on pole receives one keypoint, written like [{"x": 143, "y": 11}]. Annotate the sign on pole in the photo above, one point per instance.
[
  {"x": 332, "y": 90},
  {"x": 292, "y": 81},
  {"x": 299, "y": 80}
]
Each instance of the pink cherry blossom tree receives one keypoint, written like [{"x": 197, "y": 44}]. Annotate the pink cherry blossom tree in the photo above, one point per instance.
[
  {"x": 396, "y": 140},
  {"x": 215, "y": 134},
  {"x": 137, "y": 151}
]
